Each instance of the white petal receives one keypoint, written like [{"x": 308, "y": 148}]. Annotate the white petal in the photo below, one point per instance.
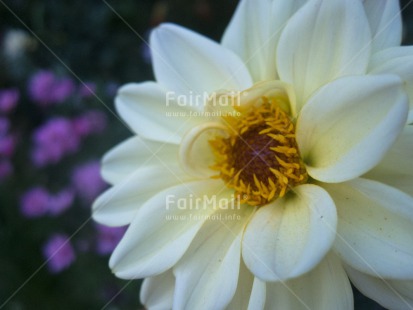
[
  {"x": 207, "y": 275},
  {"x": 135, "y": 153},
  {"x": 385, "y": 23},
  {"x": 290, "y": 236},
  {"x": 163, "y": 228},
  {"x": 391, "y": 294},
  {"x": 375, "y": 228},
  {"x": 396, "y": 168},
  {"x": 396, "y": 60},
  {"x": 154, "y": 113},
  {"x": 157, "y": 292},
  {"x": 188, "y": 63},
  {"x": 250, "y": 293},
  {"x": 119, "y": 204},
  {"x": 254, "y": 31},
  {"x": 323, "y": 41},
  {"x": 347, "y": 126},
  {"x": 324, "y": 288}
]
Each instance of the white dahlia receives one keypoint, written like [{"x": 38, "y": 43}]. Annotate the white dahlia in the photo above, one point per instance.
[{"x": 269, "y": 169}]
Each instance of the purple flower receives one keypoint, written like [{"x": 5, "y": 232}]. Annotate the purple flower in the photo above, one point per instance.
[
  {"x": 87, "y": 90},
  {"x": 53, "y": 141},
  {"x": 4, "y": 125},
  {"x": 91, "y": 122},
  {"x": 63, "y": 89},
  {"x": 8, "y": 99},
  {"x": 87, "y": 181},
  {"x": 61, "y": 201},
  {"x": 6, "y": 169},
  {"x": 7, "y": 145},
  {"x": 108, "y": 238},
  {"x": 46, "y": 89},
  {"x": 34, "y": 202},
  {"x": 59, "y": 253}
]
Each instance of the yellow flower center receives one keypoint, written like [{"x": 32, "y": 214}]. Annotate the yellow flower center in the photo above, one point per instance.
[{"x": 260, "y": 158}]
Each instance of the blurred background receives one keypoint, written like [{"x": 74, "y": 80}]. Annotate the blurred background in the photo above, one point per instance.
[{"x": 61, "y": 63}]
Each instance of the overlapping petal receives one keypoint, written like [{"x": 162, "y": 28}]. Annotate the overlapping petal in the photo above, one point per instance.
[
  {"x": 375, "y": 228},
  {"x": 119, "y": 204},
  {"x": 326, "y": 287},
  {"x": 391, "y": 294},
  {"x": 193, "y": 65},
  {"x": 136, "y": 153},
  {"x": 146, "y": 109},
  {"x": 163, "y": 229},
  {"x": 347, "y": 126},
  {"x": 396, "y": 168},
  {"x": 290, "y": 235},
  {"x": 385, "y": 23},
  {"x": 396, "y": 60},
  {"x": 323, "y": 41},
  {"x": 157, "y": 292},
  {"x": 207, "y": 275},
  {"x": 254, "y": 31}
]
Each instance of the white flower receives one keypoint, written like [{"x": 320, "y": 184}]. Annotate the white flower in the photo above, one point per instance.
[{"x": 314, "y": 149}]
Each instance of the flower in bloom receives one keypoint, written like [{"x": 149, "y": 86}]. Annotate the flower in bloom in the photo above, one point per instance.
[
  {"x": 37, "y": 202},
  {"x": 59, "y": 253},
  {"x": 108, "y": 238},
  {"x": 87, "y": 181},
  {"x": 269, "y": 169},
  {"x": 46, "y": 89},
  {"x": 8, "y": 99},
  {"x": 91, "y": 122},
  {"x": 54, "y": 140}
]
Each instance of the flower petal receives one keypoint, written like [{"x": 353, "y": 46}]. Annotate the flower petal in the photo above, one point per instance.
[
  {"x": 324, "y": 288},
  {"x": 254, "y": 31},
  {"x": 157, "y": 292},
  {"x": 375, "y": 230},
  {"x": 391, "y": 294},
  {"x": 119, "y": 204},
  {"x": 289, "y": 236},
  {"x": 207, "y": 275},
  {"x": 250, "y": 293},
  {"x": 396, "y": 168},
  {"x": 385, "y": 23},
  {"x": 133, "y": 154},
  {"x": 347, "y": 126},
  {"x": 190, "y": 64},
  {"x": 154, "y": 113},
  {"x": 323, "y": 41},
  {"x": 396, "y": 60},
  {"x": 154, "y": 241}
]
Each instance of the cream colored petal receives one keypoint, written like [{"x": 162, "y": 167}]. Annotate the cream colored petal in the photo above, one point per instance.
[
  {"x": 375, "y": 228},
  {"x": 396, "y": 60},
  {"x": 154, "y": 113},
  {"x": 207, "y": 275},
  {"x": 118, "y": 205},
  {"x": 157, "y": 292},
  {"x": 250, "y": 293},
  {"x": 323, "y": 41},
  {"x": 193, "y": 65},
  {"x": 347, "y": 126},
  {"x": 163, "y": 229},
  {"x": 135, "y": 153},
  {"x": 385, "y": 23},
  {"x": 254, "y": 31},
  {"x": 324, "y": 288},
  {"x": 291, "y": 235},
  {"x": 396, "y": 168},
  {"x": 391, "y": 294}
]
